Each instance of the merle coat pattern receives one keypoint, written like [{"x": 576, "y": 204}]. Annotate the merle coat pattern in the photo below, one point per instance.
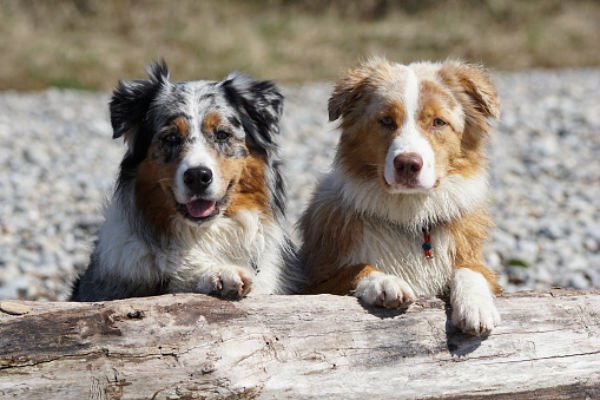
[{"x": 199, "y": 203}]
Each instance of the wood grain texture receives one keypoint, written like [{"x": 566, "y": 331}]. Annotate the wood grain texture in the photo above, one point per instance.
[{"x": 274, "y": 347}]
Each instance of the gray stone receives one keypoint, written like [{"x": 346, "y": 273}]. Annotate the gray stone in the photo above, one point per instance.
[
  {"x": 579, "y": 281},
  {"x": 59, "y": 164},
  {"x": 517, "y": 275}
]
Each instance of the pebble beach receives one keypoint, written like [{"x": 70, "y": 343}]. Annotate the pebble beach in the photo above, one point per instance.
[{"x": 58, "y": 164}]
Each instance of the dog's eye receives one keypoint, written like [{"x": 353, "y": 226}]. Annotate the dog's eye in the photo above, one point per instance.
[
  {"x": 171, "y": 139},
  {"x": 388, "y": 122},
  {"x": 438, "y": 123},
  {"x": 222, "y": 135}
]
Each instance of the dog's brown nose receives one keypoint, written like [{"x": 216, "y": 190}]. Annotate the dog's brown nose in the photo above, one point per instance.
[{"x": 407, "y": 166}]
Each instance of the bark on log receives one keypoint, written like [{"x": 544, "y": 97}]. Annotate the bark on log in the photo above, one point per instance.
[{"x": 274, "y": 347}]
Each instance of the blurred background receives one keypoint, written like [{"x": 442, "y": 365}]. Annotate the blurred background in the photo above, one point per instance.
[
  {"x": 89, "y": 44},
  {"x": 61, "y": 58}
]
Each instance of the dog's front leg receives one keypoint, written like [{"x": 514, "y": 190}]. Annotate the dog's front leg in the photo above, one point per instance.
[
  {"x": 227, "y": 281},
  {"x": 472, "y": 299},
  {"x": 384, "y": 290},
  {"x": 370, "y": 285}
]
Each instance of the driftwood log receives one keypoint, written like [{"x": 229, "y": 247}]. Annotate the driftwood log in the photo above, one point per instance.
[{"x": 274, "y": 347}]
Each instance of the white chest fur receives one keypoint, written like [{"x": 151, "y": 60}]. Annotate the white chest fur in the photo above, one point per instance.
[
  {"x": 399, "y": 252},
  {"x": 392, "y": 237},
  {"x": 246, "y": 240}
]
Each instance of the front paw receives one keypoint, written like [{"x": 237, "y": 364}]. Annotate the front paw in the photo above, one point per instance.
[
  {"x": 477, "y": 319},
  {"x": 383, "y": 290},
  {"x": 473, "y": 308},
  {"x": 227, "y": 282}
]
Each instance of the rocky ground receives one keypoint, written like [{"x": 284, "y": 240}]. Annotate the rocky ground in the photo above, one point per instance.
[{"x": 58, "y": 165}]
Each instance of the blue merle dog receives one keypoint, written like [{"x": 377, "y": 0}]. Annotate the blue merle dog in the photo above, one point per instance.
[{"x": 199, "y": 201}]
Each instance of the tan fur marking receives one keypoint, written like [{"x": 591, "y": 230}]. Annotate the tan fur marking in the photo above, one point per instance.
[
  {"x": 362, "y": 156},
  {"x": 355, "y": 88},
  {"x": 251, "y": 190},
  {"x": 344, "y": 281},
  {"x": 470, "y": 233},
  {"x": 468, "y": 162},
  {"x": 364, "y": 144},
  {"x": 476, "y": 83},
  {"x": 475, "y": 92},
  {"x": 395, "y": 110},
  {"x": 445, "y": 141},
  {"x": 347, "y": 92},
  {"x": 470, "y": 87},
  {"x": 329, "y": 233},
  {"x": 211, "y": 122},
  {"x": 433, "y": 90},
  {"x": 362, "y": 97},
  {"x": 152, "y": 185},
  {"x": 181, "y": 124}
]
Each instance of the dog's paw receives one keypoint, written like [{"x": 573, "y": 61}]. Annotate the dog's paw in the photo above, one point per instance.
[
  {"x": 384, "y": 290},
  {"x": 227, "y": 282},
  {"x": 473, "y": 308},
  {"x": 476, "y": 319}
]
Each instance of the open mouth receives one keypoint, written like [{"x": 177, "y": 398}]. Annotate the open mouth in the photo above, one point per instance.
[
  {"x": 198, "y": 210},
  {"x": 201, "y": 210}
]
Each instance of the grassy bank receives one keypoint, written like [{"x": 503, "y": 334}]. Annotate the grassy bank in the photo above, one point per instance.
[{"x": 90, "y": 44}]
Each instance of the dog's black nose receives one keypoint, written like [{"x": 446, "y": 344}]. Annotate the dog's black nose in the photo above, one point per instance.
[
  {"x": 407, "y": 166},
  {"x": 197, "y": 179}
]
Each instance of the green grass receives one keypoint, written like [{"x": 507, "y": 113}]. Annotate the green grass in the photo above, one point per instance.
[
  {"x": 515, "y": 262},
  {"x": 93, "y": 43}
]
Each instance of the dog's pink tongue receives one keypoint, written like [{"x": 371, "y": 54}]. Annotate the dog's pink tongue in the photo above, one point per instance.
[{"x": 200, "y": 208}]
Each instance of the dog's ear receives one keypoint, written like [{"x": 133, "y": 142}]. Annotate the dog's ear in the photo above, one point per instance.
[
  {"x": 347, "y": 92},
  {"x": 131, "y": 99},
  {"x": 260, "y": 104},
  {"x": 474, "y": 81}
]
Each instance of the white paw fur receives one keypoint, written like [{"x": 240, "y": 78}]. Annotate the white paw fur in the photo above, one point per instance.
[
  {"x": 227, "y": 281},
  {"x": 379, "y": 289},
  {"x": 473, "y": 308}
]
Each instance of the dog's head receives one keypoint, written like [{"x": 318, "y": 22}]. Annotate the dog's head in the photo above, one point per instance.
[
  {"x": 410, "y": 126},
  {"x": 190, "y": 142}
]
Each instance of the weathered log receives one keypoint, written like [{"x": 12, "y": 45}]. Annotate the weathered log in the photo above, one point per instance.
[{"x": 274, "y": 347}]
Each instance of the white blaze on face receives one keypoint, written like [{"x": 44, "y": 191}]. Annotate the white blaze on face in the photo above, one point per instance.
[
  {"x": 410, "y": 140},
  {"x": 197, "y": 155}
]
